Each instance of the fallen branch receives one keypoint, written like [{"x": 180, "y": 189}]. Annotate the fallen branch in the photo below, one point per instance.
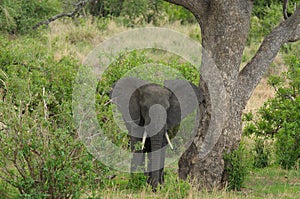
[{"x": 78, "y": 8}]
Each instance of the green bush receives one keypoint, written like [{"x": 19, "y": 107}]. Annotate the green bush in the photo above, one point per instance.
[
  {"x": 175, "y": 188},
  {"x": 106, "y": 8},
  {"x": 178, "y": 13},
  {"x": 139, "y": 12},
  {"x": 279, "y": 118},
  {"x": 260, "y": 7},
  {"x": 129, "y": 12},
  {"x": 261, "y": 152},
  {"x": 236, "y": 167},
  {"x": 261, "y": 155},
  {"x": 18, "y": 16},
  {"x": 260, "y": 27},
  {"x": 40, "y": 153},
  {"x": 137, "y": 181}
]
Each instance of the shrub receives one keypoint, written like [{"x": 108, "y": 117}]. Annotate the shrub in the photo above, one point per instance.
[
  {"x": 137, "y": 181},
  {"x": 18, "y": 16},
  {"x": 40, "y": 159},
  {"x": 260, "y": 7},
  {"x": 129, "y": 12},
  {"x": 279, "y": 118},
  {"x": 260, "y": 27},
  {"x": 139, "y": 12},
  {"x": 261, "y": 154},
  {"x": 40, "y": 154},
  {"x": 236, "y": 167},
  {"x": 178, "y": 13},
  {"x": 176, "y": 188},
  {"x": 106, "y": 8}
]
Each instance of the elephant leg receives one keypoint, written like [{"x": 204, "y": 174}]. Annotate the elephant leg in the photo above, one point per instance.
[
  {"x": 161, "y": 179},
  {"x": 147, "y": 151},
  {"x": 163, "y": 155}
]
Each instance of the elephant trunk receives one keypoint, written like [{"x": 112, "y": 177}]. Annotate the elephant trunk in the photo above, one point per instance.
[
  {"x": 167, "y": 138},
  {"x": 157, "y": 159}
]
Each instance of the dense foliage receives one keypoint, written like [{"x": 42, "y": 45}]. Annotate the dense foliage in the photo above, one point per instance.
[
  {"x": 40, "y": 154},
  {"x": 236, "y": 168},
  {"x": 18, "y": 16},
  {"x": 279, "y": 118},
  {"x": 134, "y": 12}
]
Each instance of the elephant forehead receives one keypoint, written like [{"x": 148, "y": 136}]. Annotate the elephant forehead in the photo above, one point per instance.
[{"x": 155, "y": 94}]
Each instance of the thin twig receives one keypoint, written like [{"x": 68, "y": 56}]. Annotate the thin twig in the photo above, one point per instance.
[
  {"x": 108, "y": 102},
  {"x": 6, "y": 180},
  {"x": 284, "y": 8},
  {"x": 45, "y": 105}
]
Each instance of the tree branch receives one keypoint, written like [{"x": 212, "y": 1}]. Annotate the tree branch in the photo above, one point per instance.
[
  {"x": 78, "y": 8},
  {"x": 252, "y": 73},
  {"x": 284, "y": 8},
  {"x": 197, "y": 7},
  {"x": 6, "y": 180},
  {"x": 184, "y": 3},
  {"x": 296, "y": 36}
]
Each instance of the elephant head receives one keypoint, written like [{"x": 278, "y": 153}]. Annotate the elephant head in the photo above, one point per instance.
[{"x": 149, "y": 110}]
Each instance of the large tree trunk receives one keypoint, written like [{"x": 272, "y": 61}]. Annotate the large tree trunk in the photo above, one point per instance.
[
  {"x": 224, "y": 41},
  {"x": 224, "y": 26}
]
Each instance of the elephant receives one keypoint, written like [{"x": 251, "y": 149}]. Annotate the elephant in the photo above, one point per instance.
[{"x": 149, "y": 111}]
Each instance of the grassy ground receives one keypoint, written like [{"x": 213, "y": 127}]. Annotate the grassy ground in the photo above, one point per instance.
[{"x": 270, "y": 182}]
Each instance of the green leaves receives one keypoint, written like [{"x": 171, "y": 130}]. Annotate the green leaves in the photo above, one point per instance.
[
  {"x": 236, "y": 166},
  {"x": 40, "y": 154},
  {"x": 18, "y": 16},
  {"x": 279, "y": 117}
]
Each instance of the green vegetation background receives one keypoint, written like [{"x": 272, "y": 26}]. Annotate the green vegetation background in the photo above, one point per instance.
[{"x": 40, "y": 153}]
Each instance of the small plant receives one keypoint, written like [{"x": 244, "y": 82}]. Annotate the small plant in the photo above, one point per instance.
[
  {"x": 137, "y": 181},
  {"x": 40, "y": 153},
  {"x": 177, "y": 13},
  {"x": 236, "y": 168},
  {"x": 176, "y": 188},
  {"x": 261, "y": 155}
]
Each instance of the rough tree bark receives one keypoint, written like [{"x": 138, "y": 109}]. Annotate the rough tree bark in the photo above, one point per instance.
[{"x": 224, "y": 26}]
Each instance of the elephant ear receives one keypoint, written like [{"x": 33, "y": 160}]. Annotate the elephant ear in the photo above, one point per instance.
[
  {"x": 184, "y": 99},
  {"x": 125, "y": 95}
]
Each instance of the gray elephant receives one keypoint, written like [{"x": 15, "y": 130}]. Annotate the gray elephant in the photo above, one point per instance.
[{"x": 149, "y": 111}]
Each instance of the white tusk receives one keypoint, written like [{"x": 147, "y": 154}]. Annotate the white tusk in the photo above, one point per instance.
[
  {"x": 144, "y": 139},
  {"x": 169, "y": 141}
]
